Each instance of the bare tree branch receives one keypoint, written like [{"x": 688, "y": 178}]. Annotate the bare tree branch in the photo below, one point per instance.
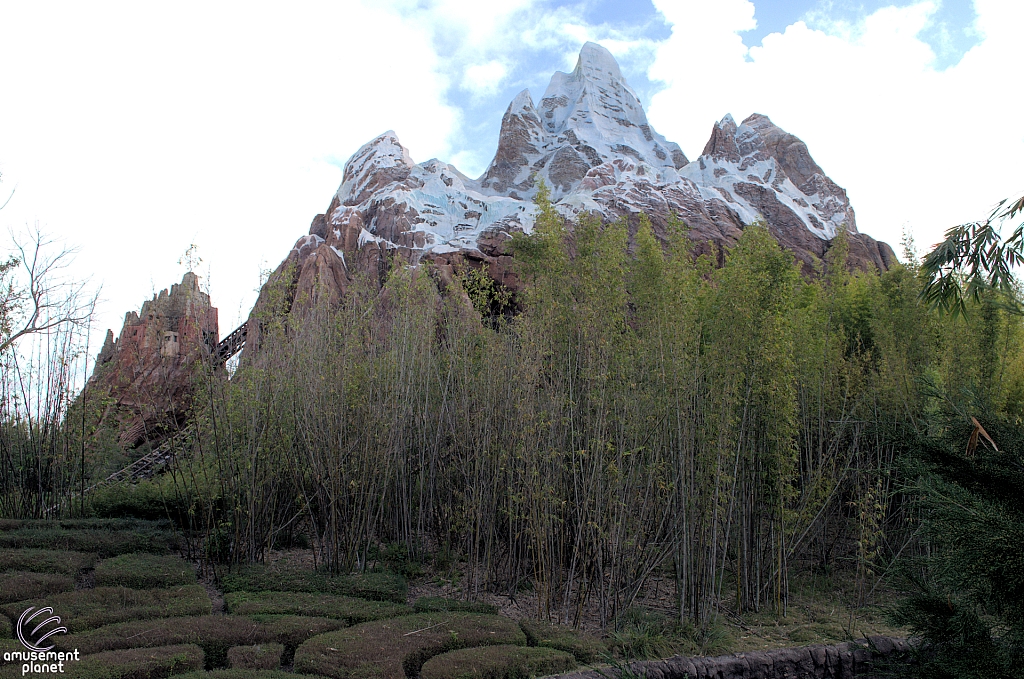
[{"x": 43, "y": 299}]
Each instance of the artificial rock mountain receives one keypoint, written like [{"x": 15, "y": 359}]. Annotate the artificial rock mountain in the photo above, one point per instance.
[
  {"x": 141, "y": 381},
  {"x": 589, "y": 141}
]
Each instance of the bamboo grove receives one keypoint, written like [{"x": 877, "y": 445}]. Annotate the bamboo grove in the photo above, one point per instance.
[{"x": 633, "y": 412}]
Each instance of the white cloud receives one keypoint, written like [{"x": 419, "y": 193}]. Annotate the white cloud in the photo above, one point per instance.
[
  {"x": 134, "y": 129},
  {"x": 484, "y": 79},
  {"x": 909, "y": 142}
]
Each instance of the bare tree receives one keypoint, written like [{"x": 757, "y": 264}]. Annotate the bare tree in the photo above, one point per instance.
[{"x": 35, "y": 295}]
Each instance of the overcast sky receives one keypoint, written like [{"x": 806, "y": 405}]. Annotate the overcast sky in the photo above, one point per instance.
[{"x": 132, "y": 130}]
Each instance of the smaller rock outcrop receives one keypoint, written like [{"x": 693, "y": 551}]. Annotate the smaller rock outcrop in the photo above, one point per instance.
[{"x": 142, "y": 379}]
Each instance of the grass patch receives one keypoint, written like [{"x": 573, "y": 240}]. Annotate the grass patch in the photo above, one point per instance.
[
  {"x": 585, "y": 648},
  {"x": 391, "y": 648},
  {"x": 351, "y": 610},
  {"x": 435, "y": 604},
  {"x": 104, "y": 542},
  {"x": 144, "y": 571},
  {"x": 135, "y": 663},
  {"x": 46, "y": 561},
  {"x": 6, "y": 631},
  {"x": 258, "y": 657},
  {"x": 285, "y": 578},
  {"x": 646, "y": 634},
  {"x": 498, "y": 662},
  {"x": 91, "y": 608},
  {"x": 20, "y": 586}
]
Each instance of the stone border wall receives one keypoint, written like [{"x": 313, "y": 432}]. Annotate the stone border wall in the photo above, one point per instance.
[{"x": 842, "y": 661}]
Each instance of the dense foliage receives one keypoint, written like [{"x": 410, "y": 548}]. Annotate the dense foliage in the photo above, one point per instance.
[
  {"x": 642, "y": 412},
  {"x": 966, "y": 471},
  {"x": 967, "y": 597}
]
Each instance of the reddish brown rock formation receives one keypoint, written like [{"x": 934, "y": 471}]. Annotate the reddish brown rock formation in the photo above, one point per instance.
[{"x": 144, "y": 377}]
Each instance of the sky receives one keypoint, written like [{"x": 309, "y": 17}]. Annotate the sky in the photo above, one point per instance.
[{"x": 131, "y": 131}]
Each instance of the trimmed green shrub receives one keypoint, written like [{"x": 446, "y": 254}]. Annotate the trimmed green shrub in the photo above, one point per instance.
[
  {"x": 245, "y": 674},
  {"x": 87, "y": 609},
  {"x": 389, "y": 648},
  {"x": 497, "y": 662},
  {"x": 148, "y": 499},
  {"x": 353, "y": 611},
  {"x": 215, "y": 634},
  {"x": 134, "y": 663},
  {"x": 258, "y": 657},
  {"x": 46, "y": 561},
  {"x": 264, "y": 578},
  {"x": 103, "y": 542},
  {"x": 85, "y": 524},
  {"x": 20, "y": 586},
  {"x": 144, "y": 571},
  {"x": 431, "y": 604},
  {"x": 6, "y": 631},
  {"x": 584, "y": 647},
  {"x": 292, "y": 630}
]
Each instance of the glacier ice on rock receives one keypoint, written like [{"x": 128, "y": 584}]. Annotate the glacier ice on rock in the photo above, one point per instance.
[{"x": 588, "y": 139}]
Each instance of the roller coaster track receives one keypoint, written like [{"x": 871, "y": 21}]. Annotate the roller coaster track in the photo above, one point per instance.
[
  {"x": 147, "y": 465},
  {"x": 231, "y": 345},
  {"x": 154, "y": 461}
]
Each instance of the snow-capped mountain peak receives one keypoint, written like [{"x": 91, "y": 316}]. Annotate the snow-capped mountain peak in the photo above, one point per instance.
[{"x": 589, "y": 140}]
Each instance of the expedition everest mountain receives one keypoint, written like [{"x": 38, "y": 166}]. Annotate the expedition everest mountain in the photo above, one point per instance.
[{"x": 589, "y": 141}]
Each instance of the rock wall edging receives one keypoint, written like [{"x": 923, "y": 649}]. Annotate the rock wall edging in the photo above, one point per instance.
[{"x": 841, "y": 661}]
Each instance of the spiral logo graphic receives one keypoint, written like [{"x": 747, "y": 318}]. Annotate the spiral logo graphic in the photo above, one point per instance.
[{"x": 29, "y": 639}]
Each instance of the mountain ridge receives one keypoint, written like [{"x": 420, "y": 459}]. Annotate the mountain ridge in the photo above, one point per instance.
[{"x": 588, "y": 139}]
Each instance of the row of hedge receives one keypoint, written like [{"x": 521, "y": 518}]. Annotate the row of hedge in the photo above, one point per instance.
[
  {"x": 19, "y": 586},
  {"x": 353, "y": 611},
  {"x": 447, "y": 645},
  {"x": 136, "y": 663},
  {"x": 7, "y": 525},
  {"x": 60, "y": 562},
  {"x": 215, "y": 634},
  {"x": 88, "y": 609},
  {"x": 392, "y": 648},
  {"x": 144, "y": 571},
  {"x": 103, "y": 542},
  {"x": 382, "y": 586}
]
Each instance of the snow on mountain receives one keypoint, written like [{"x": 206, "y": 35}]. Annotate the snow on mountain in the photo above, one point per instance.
[{"x": 589, "y": 140}]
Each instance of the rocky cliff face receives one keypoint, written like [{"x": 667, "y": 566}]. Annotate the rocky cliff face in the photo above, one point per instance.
[
  {"x": 143, "y": 378},
  {"x": 589, "y": 141}
]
